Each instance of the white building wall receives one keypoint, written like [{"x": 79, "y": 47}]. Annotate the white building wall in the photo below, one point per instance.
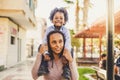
[
  {"x": 12, "y": 48},
  {"x": 22, "y": 36},
  {"x": 22, "y": 5},
  {"x": 19, "y": 17},
  {"x": 35, "y": 36},
  {"x": 16, "y": 4},
  {"x": 11, "y": 54},
  {"x": 3, "y": 40}
]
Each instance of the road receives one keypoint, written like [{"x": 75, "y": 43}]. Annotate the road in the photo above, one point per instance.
[{"x": 21, "y": 71}]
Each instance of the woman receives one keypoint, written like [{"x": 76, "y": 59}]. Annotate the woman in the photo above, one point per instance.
[
  {"x": 56, "y": 43},
  {"x": 102, "y": 63}
]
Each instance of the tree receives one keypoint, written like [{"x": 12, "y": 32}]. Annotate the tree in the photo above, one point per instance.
[
  {"x": 84, "y": 9},
  {"x": 74, "y": 41},
  {"x": 69, "y": 2}
]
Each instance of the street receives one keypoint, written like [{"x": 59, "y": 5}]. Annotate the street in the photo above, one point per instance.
[{"x": 21, "y": 71}]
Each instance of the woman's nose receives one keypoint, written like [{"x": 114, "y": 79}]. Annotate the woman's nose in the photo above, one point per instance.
[{"x": 58, "y": 44}]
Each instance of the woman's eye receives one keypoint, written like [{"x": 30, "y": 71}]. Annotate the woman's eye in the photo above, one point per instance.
[
  {"x": 54, "y": 42},
  {"x": 60, "y": 41}
]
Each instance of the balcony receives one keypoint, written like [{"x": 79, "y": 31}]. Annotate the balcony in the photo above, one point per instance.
[{"x": 19, "y": 12}]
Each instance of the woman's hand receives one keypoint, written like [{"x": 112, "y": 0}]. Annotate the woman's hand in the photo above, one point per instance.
[{"x": 67, "y": 55}]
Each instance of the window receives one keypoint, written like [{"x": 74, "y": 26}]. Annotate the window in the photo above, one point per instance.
[
  {"x": 12, "y": 40},
  {"x": 32, "y": 5}
]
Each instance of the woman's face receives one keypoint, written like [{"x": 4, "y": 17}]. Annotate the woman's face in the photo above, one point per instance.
[
  {"x": 58, "y": 19},
  {"x": 56, "y": 43}
]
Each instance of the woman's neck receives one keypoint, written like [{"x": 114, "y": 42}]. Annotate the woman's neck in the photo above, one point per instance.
[{"x": 56, "y": 56}]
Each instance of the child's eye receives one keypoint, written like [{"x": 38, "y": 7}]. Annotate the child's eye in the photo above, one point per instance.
[
  {"x": 56, "y": 18},
  {"x": 61, "y": 18}
]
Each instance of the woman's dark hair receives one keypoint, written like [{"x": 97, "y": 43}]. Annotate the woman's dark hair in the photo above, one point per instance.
[
  {"x": 49, "y": 47},
  {"x": 62, "y": 10}
]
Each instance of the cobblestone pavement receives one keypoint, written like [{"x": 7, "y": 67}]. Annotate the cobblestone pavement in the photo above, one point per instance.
[{"x": 21, "y": 71}]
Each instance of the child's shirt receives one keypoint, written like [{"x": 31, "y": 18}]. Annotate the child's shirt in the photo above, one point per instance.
[{"x": 66, "y": 33}]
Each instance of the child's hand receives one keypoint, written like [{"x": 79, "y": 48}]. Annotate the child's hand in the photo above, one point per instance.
[
  {"x": 46, "y": 57},
  {"x": 67, "y": 55},
  {"x": 43, "y": 48}
]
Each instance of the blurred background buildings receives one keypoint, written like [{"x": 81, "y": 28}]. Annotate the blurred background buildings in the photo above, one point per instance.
[{"x": 16, "y": 17}]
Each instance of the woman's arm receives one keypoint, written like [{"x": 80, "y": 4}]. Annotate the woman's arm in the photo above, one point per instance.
[
  {"x": 73, "y": 69},
  {"x": 36, "y": 66}
]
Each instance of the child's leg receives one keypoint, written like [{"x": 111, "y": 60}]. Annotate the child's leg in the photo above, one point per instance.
[
  {"x": 43, "y": 69},
  {"x": 72, "y": 52},
  {"x": 66, "y": 70}
]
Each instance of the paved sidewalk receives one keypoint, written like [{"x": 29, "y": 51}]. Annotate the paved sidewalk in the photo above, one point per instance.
[{"x": 21, "y": 71}]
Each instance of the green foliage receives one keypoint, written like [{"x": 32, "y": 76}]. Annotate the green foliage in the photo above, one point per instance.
[
  {"x": 117, "y": 42},
  {"x": 69, "y": 1},
  {"x": 83, "y": 71},
  {"x": 74, "y": 41},
  {"x": 1, "y": 67}
]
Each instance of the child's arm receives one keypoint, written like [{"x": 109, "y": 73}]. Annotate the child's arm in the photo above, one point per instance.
[{"x": 67, "y": 40}]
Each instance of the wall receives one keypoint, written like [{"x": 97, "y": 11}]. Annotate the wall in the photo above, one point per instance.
[
  {"x": 3, "y": 40},
  {"x": 22, "y": 36},
  {"x": 12, "y": 43}
]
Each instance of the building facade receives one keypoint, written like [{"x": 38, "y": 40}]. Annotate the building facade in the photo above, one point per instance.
[{"x": 16, "y": 17}]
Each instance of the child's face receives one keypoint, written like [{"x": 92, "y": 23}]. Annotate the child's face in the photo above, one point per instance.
[{"x": 58, "y": 19}]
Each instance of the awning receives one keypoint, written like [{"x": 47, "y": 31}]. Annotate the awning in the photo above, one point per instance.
[
  {"x": 19, "y": 17},
  {"x": 98, "y": 28}
]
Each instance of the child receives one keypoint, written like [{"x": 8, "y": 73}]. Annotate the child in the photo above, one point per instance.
[{"x": 58, "y": 17}]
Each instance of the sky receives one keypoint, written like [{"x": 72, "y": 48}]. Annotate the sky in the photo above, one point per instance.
[{"x": 98, "y": 9}]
